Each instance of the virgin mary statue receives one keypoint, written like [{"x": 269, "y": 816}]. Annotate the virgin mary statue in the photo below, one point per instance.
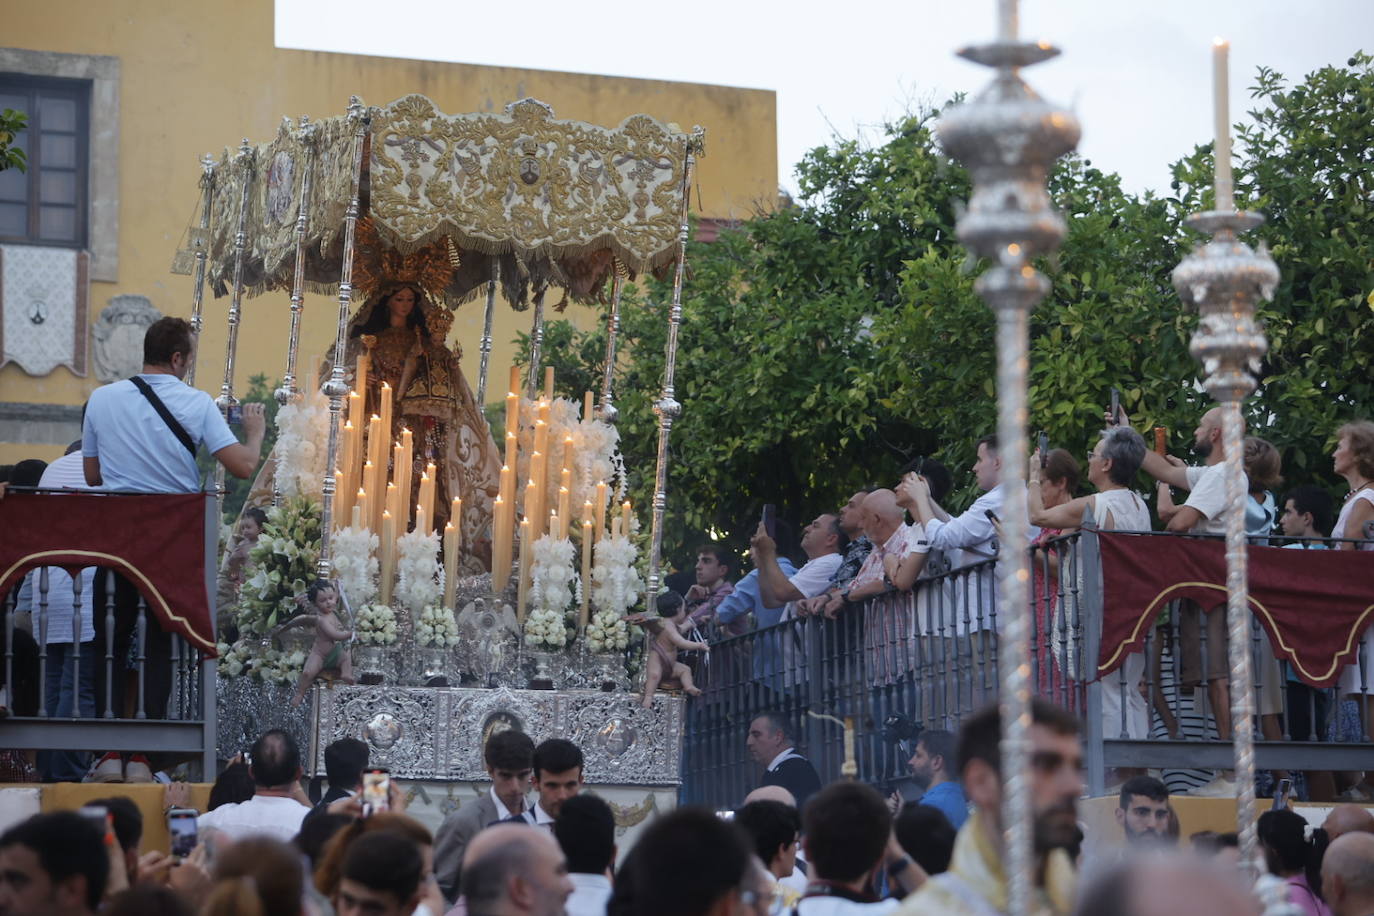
[{"x": 405, "y": 334}]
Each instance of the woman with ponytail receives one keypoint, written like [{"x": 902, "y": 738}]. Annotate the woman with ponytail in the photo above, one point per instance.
[{"x": 1291, "y": 855}]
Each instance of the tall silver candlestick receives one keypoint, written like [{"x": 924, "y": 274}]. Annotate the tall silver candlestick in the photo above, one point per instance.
[
  {"x": 201, "y": 244},
  {"x": 226, "y": 400},
  {"x": 1010, "y": 138},
  {"x": 1224, "y": 279},
  {"x": 336, "y": 388}
]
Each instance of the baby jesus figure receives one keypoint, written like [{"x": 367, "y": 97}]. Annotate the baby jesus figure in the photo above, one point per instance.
[
  {"x": 663, "y": 667},
  {"x": 328, "y": 652}
]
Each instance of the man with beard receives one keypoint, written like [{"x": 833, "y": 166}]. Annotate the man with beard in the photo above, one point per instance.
[
  {"x": 1143, "y": 811},
  {"x": 932, "y": 767},
  {"x": 976, "y": 882},
  {"x": 1203, "y": 513}
]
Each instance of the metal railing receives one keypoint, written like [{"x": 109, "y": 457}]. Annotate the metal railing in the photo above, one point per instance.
[
  {"x": 905, "y": 661},
  {"x": 89, "y": 668}
]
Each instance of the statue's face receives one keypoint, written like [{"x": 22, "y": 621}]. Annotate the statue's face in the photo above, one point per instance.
[{"x": 401, "y": 303}]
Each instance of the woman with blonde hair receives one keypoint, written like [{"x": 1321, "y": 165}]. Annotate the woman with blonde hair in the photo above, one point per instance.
[{"x": 1354, "y": 460}]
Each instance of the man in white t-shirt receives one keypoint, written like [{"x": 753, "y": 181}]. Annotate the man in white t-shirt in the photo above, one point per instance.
[
  {"x": 275, "y": 809},
  {"x": 141, "y": 435},
  {"x": 778, "y": 653},
  {"x": 1203, "y": 513}
]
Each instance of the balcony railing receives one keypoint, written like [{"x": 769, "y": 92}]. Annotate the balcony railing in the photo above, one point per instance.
[
  {"x": 902, "y": 662},
  {"x": 139, "y": 608}
]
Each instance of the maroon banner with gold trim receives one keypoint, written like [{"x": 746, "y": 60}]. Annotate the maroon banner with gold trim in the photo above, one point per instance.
[
  {"x": 1314, "y": 604},
  {"x": 156, "y": 541}
]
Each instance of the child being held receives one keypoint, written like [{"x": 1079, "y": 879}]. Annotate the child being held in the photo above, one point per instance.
[{"x": 663, "y": 667}]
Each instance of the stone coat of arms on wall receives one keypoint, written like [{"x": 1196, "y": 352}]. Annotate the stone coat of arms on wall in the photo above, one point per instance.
[{"x": 117, "y": 335}]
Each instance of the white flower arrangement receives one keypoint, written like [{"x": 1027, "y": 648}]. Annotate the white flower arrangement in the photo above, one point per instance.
[
  {"x": 436, "y": 628},
  {"x": 607, "y": 632},
  {"x": 302, "y": 430},
  {"x": 616, "y": 584},
  {"x": 282, "y": 668},
  {"x": 235, "y": 660},
  {"x": 546, "y": 629},
  {"x": 594, "y": 444},
  {"x": 551, "y": 592},
  {"x": 420, "y": 581},
  {"x": 355, "y": 564},
  {"x": 376, "y": 625}
]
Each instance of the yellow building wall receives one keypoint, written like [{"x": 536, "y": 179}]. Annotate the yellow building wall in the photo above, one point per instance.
[{"x": 196, "y": 76}]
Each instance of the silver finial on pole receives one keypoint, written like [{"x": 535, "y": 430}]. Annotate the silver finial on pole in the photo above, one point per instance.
[
  {"x": 1009, "y": 138},
  {"x": 1225, "y": 279}
]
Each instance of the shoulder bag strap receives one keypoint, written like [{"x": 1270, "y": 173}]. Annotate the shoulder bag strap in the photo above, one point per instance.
[{"x": 172, "y": 423}]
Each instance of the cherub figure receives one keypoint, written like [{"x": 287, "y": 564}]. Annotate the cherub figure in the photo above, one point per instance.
[
  {"x": 329, "y": 651},
  {"x": 663, "y": 667}
]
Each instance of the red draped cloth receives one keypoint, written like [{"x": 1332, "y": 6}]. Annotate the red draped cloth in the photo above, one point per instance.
[
  {"x": 156, "y": 541},
  {"x": 1313, "y": 604}
]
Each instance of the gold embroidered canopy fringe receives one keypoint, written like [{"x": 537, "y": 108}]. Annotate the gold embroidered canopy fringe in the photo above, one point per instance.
[{"x": 553, "y": 201}]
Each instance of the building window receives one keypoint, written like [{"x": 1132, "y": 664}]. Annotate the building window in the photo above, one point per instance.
[{"x": 49, "y": 203}]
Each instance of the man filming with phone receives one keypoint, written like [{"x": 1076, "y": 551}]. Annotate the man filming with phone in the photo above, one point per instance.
[
  {"x": 275, "y": 809},
  {"x": 141, "y": 435}
]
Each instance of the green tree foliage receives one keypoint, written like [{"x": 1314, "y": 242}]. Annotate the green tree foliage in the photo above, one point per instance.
[
  {"x": 824, "y": 344},
  {"x": 11, "y": 123}
]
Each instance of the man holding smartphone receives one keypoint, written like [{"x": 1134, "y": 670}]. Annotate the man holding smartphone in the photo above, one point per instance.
[
  {"x": 141, "y": 435},
  {"x": 273, "y": 810}
]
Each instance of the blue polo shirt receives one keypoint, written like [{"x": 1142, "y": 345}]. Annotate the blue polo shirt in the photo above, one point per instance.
[
  {"x": 949, "y": 798},
  {"x": 137, "y": 450}
]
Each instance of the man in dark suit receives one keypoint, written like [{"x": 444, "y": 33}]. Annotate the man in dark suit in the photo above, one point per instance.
[
  {"x": 344, "y": 762},
  {"x": 557, "y": 777},
  {"x": 770, "y": 743},
  {"x": 509, "y": 758}
]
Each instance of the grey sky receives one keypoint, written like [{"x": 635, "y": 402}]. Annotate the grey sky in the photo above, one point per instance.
[{"x": 1137, "y": 73}]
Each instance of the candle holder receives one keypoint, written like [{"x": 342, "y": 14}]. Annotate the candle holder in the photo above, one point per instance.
[
  {"x": 1009, "y": 138},
  {"x": 1225, "y": 279},
  {"x": 226, "y": 402}
]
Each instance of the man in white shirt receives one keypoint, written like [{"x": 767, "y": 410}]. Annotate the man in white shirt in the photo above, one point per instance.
[
  {"x": 585, "y": 830},
  {"x": 777, "y": 653},
  {"x": 1203, "y": 513},
  {"x": 274, "y": 810},
  {"x": 509, "y": 758},
  {"x": 141, "y": 435}
]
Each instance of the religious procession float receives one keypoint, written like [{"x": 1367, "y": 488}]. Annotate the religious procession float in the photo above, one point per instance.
[{"x": 477, "y": 578}]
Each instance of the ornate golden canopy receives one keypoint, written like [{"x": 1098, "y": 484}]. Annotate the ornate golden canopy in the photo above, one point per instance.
[{"x": 446, "y": 196}]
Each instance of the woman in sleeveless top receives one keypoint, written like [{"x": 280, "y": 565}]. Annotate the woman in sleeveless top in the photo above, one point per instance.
[
  {"x": 1112, "y": 465},
  {"x": 1354, "y": 460}
]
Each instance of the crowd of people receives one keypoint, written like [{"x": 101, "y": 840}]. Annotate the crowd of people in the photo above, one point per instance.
[
  {"x": 894, "y": 539},
  {"x": 534, "y": 841}
]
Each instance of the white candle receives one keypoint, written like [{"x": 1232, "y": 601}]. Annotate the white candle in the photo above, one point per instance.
[{"x": 1221, "y": 91}]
